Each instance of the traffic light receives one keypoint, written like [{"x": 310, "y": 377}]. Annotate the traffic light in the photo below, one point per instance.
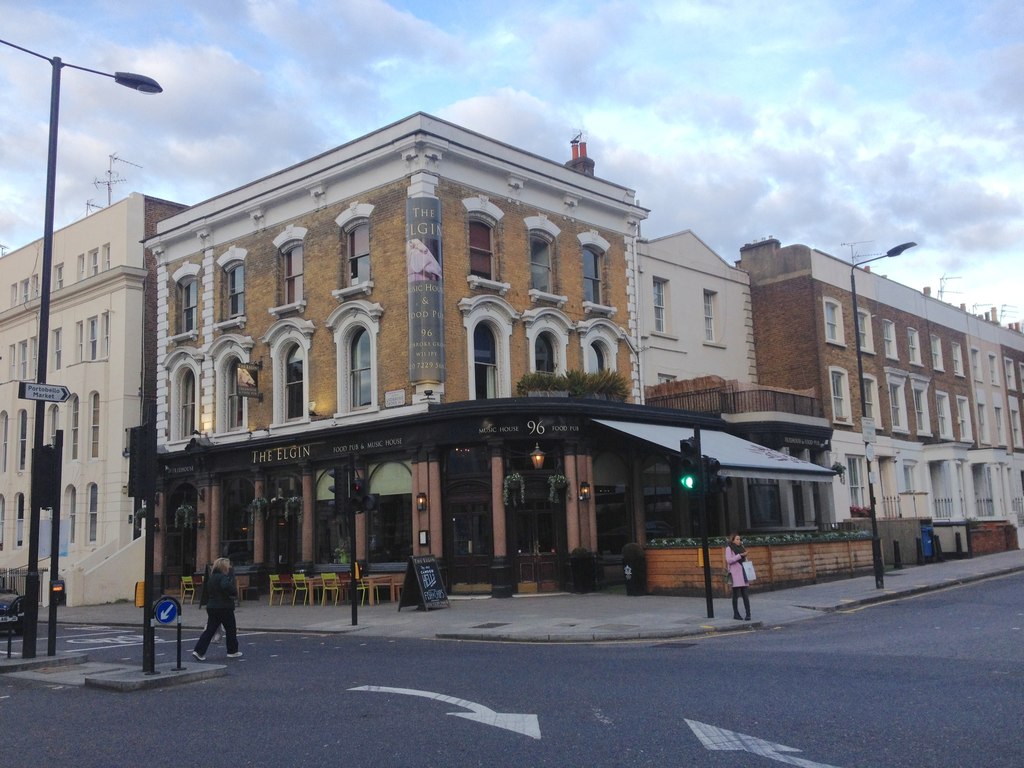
[
  {"x": 45, "y": 481},
  {"x": 714, "y": 481},
  {"x": 336, "y": 489},
  {"x": 689, "y": 465},
  {"x": 359, "y": 499}
]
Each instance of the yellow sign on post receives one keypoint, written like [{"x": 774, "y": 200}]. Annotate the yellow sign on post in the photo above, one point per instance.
[{"x": 140, "y": 594}]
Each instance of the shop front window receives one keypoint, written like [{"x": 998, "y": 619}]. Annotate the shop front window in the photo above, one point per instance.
[
  {"x": 765, "y": 504},
  {"x": 237, "y": 521},
  {"x": 389, "y": 530},
  {"x": 660, "y": 518}
]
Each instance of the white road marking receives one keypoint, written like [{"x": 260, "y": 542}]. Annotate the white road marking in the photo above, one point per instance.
[
  {"x": 715, "y": 738},
  {"x": 528, "y": 725}
]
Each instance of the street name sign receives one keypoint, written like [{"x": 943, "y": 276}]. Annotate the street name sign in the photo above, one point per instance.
[{"x": 51, "y": 393}]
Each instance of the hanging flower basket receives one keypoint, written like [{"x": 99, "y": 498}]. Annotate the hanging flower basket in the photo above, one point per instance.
[
  {"x": 840, "y": 470},
  {"x": 556, "y": 483},
  {"x": 259, "y": 505},
  {"x": 513, "y": 482},
  {"x": 293, "y": 506},
  {"x": 185, "y": 516}
]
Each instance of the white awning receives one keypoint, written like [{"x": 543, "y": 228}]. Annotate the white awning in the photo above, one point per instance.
[{"x": 739, "y": 457}]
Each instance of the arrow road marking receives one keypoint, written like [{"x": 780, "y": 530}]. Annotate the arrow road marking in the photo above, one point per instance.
[
  {"x": 528, "y": 725},
  {"x": 715, "y": 738}
]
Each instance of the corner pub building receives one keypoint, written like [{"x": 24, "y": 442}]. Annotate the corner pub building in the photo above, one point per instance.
[{"x": 361, "y": 319}]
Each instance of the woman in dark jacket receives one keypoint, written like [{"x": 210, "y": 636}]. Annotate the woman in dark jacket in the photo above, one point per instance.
[{"x": 220, "y": 610}]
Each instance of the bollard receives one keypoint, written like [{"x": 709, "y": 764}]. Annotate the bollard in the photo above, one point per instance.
[
  {"x": 937, "y": 549},
  {"x": 920, "y": 552},
  {"x": 897, "y": 560},
  {"x": 959, "y": 545}
]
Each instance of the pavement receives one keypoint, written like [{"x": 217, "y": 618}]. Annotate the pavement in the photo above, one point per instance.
[{"x": 606, "y": 616}]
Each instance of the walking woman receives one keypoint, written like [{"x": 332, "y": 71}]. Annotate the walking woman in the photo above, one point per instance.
[
  {"x": 735, "y": 556},
  {"x": 220, "y": 610}
]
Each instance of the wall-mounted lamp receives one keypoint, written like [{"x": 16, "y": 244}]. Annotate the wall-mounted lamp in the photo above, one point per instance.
[
  {"x": 156, "y": 525},
  {"x": 201, "y": 520},
  {"x": 537, "y": 457},
  {"x": 421, "y": 502},
  {"x": 584, "y": 491},
  {"x": 312, "y": 408}
]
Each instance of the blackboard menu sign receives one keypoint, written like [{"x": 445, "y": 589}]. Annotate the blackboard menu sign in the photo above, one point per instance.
[{"x": 423, "y": 586}]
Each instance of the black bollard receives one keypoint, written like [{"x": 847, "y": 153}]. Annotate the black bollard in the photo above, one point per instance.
[
  {"x": 920, "y": 551},
  {"x": 897, "y": 559},
  {"x": 959, "y": 545},
  {"x": 937, "y": 549}
]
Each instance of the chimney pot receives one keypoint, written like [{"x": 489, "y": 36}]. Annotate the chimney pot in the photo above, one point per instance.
[
  {"x": 583, "y": 149},
  {"x": 575, "y": 150},
  {"x": 927, "y": 290}
]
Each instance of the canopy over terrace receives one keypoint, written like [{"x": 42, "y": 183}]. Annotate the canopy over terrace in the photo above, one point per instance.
[{"x": 738, "y": 457}]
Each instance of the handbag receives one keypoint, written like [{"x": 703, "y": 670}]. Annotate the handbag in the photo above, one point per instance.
[{"x": 748, "y": 571}]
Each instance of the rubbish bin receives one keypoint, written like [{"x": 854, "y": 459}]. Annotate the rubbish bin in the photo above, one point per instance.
[
  {"x": 927, "y": 550},
  {"x": 634, "y": 568}
]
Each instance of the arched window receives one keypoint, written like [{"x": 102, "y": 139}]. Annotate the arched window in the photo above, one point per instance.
[
  {"x": 188, "y": 305},
  {"x": 292, "y": 262},
  {"x": 94, "y": 511},
  {"x": 544, "y": 354},
  {"x": 540, "y": 263},
  {"x": 94, "y": 427},
  {"x": 485, "y": 363},
  {"x": 187, "y": 405},
  {"x": 3, "y": 441},
  {"x": 235, "y": 282},
  {"x": 70, "y": 505},
  {"x": 359, "y": 254},
  {"x": 22, "y": 439},
  {"x": 597, "y": 358},
  {"x": 360, "y": 369},
  {"x": 234, "y": 404},
  {"x": 53, "y": 414},
  {"x": 481, "y": 249},
  {"x": 591, "y": 275},
  {"x": 74, "y": 426},
  {"x": 294, "y": 400}
]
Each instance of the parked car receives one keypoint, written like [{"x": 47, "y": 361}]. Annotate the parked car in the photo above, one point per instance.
[{"x": 12, "y": 611}]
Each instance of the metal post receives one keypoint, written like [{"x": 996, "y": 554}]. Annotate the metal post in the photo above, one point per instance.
[
  {"x": 29, "y": 634},
  {"x": 58, "y": 448},
  {"x": 876, "y": 544},
  {"x": 702, "y": 509},
  {"x": 353, "y": 565}
]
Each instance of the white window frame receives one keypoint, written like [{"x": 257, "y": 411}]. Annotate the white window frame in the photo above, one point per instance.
[
  {"x": 889, "y": 340},
  {"x": 965, "y": 432},
  {"x": 711, "y": 334},
  {"x": 897, "y": 404},
  {"x": 57, "y": 347},
  {"x": 501, "y": 317},
  {"x": 839, "y": 389},
  {"x": 919, "y": 391},
  {"x": 1000, "y": 425},
  {"x": 855, "y": 478},
  {"x": 832, "y": 316},
  {"x": 659, "y": 293},
  {"x": 976, "y": 364},
  {"x": 943, "y": 415},
  {"x": 958, "y": 358},
  {"x": 993, "y": 370},
  {"x": 913, "y": 346},
  {"x": 1010, "y": 372},
  {"x": 936, "y": 348},
  {"x": 1015, "y": 428},
  {"x": 867, "y": 336},
  {"x": 279, "y": 338}
]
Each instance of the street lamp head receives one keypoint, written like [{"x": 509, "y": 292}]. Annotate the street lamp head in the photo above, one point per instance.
[
  {"x": 137, "y": 82},
  {"x": 899, "y": 249}
]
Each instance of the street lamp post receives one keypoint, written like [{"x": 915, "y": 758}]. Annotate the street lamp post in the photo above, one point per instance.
[
  {"x": 876, "y": 544},
  {"x": 129, "y": 80}
]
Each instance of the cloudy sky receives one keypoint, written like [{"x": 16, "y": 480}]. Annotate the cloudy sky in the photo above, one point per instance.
[{"x": 815, "y": 121}]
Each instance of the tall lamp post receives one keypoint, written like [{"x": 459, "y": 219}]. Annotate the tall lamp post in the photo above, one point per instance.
[
  {"x": 129, "y": 80},
  {"x": 876, "y": 544}
]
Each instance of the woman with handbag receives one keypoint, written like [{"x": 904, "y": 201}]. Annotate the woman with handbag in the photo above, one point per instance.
[{"x": 735, "y": 558}]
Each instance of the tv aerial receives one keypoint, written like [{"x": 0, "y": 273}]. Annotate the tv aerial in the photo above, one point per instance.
[{"x": 113, "y": 177}]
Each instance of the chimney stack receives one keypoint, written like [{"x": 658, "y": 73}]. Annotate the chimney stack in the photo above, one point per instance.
[
  {"x": 580, "y": 162},
  {"x": 927, "y": 290}
]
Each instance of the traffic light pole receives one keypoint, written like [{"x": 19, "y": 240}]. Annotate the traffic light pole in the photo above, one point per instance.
[{"x": 702, "y": 508}]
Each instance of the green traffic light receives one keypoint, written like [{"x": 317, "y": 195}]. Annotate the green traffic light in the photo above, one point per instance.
[{"x": 688, "y": 482}]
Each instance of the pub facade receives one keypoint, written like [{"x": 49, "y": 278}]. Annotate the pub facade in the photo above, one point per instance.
[{"x": 345, "y": 350}]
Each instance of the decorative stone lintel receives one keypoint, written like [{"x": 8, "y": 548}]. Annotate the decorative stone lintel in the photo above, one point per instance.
[
  {"x": 482, "y": 283},
  {"x": 364, "y": 288},
  {"x": 542, "y": 297},
  {"x": 295, "y": 308},
  {"x": 602, "y": 310}
]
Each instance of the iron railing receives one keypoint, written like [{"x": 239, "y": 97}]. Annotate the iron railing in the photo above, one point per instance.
[
  {"x": 747, "y": 401},
  {"x": 942, "y": 508}
]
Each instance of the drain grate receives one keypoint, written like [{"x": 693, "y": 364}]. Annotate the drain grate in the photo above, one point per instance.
[{"x": 491, "y": 625}]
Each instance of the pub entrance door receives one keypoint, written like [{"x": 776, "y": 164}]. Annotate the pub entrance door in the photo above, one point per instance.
[
  {"x": 538, "y": 535},
  {"x": 468, "y": 546}
]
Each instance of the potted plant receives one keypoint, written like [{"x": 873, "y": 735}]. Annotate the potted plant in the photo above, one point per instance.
[
  {"x": 583, "y": 564},
  {"x": 259, "y": 505},
  {"x": 185, "y": 516},
  {"x": 513, "y": 483},
  {"x": 293, "y": 506},
  {"x": 840, "y": 470},
  {"x": 556, "y": 483}
]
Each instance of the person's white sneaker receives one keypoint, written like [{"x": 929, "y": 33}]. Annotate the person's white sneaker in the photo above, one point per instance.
[
  {"x": 235, "y": 655},
  {"x": 198, "y": 656}
]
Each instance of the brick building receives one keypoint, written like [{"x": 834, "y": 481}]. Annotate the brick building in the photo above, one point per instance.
[
  {"x": 369, "y": 313},
  {"x": 941, "y": 385}
]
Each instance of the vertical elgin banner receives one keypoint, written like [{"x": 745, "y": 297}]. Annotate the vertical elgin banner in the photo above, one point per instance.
[{"x": 423, "y": 262}]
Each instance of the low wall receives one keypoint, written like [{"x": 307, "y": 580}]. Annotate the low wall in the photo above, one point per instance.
[
  {"x": 680, "y": 570},
  {"x": 988, "y": 538}
]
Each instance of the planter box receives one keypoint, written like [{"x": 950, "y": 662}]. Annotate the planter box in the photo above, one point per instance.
[{"x": 680, "y": 570}]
